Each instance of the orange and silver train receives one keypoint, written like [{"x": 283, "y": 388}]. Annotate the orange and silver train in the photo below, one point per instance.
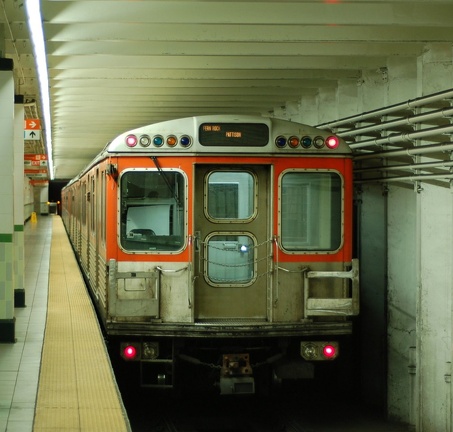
[{"x": 223, "y": 243}]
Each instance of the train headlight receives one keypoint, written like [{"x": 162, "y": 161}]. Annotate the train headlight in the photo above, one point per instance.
[
  {"x": 131, "y": 140},
  {"x": 332, "y": 142},
  {"x": 150, "y": 350},
  {"x": 319, "y": 350},
  {"x": 309, "y": 351},
  {"x": 329, "y": 351},
  {"x": 130, "y": 351}
]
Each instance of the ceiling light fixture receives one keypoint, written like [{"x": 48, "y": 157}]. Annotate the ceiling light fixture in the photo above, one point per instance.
[{"x": 34, "y": 21}]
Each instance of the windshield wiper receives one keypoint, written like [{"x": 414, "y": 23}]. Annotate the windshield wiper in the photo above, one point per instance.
[{"x": 164, "y": 176}]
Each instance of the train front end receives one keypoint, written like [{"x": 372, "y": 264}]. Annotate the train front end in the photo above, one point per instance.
[{"x": 228, "y": 251}]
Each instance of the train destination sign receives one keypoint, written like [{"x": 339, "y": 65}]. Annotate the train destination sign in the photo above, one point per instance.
[{"x": 233, "y": 134}]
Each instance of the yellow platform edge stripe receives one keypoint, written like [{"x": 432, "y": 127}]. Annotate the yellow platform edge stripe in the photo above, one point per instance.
[{"x": 77, "y": 388}]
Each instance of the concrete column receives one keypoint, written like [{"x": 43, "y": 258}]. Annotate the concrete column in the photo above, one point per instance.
[
  {"x": 7, "y": 320},
  {"x": 18, "y": 238},
  {"x": 372, "y": 232},
  {"x": 403, "y": 267},
  {"x": 403, "y": 271},
  {"x": 435, "y": 289},
  {"x": 434, "y": 320}
]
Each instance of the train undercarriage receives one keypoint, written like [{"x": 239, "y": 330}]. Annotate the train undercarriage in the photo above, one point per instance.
[{"x": 228, "y": 366}]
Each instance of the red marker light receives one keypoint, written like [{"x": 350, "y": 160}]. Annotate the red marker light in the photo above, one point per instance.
[
  {"x": 329, "y": 351},
  {"x": 129, "y": 352},
  {"x": 332, "y": 142},
  {"x": 131, "y": 140}
]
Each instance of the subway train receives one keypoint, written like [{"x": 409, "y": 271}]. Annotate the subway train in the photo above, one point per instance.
[{"x": 219, "y": 249}]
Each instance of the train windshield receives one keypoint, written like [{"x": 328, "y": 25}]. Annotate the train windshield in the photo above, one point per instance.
[
  {"x": 152, "y": 210},
  {"x": 311, "y": 209}
]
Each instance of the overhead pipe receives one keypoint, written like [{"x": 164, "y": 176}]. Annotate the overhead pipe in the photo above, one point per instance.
[
  {"x": 411, "y": 120},
  {"x": 420, "y": 166},
  {"x": 392, "y": 139},
  {"x": 407, "y": 152},
  {"x": 410, "y": 104},
  {"x": 414, "y": 178}
]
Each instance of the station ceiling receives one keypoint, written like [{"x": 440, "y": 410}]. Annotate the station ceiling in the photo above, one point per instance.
[{"x": 115, "y": 65}]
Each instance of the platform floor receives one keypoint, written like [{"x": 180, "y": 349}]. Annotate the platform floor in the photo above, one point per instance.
[{"x": 73, "y": 387}]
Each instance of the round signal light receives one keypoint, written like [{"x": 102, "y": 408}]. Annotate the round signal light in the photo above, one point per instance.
[
  {"x": 158, "y": 141},
  {"x": 318, "y": 142},
  {"x": 172, "y": 140},
  {"x": 329, "y": 351},
  {"x": 332, "y": 142},
  {"x": 131, "y": 140},
  {"x": 145, "y": 140},
  {"x": 310, "y": 351},
  {"x": 129, "y": 352},
  {"x": 280, "y": 141},
  {"x": 293, "y": 141},
  {"x": 185, "y": 141},
  {"x": 306, "y": 142}
]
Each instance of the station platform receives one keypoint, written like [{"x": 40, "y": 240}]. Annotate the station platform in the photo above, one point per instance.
[{"x": 57, "y": 376}]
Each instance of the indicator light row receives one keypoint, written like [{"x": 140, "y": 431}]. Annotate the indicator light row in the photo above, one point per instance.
[
  {"x": 144, "y": 140},
  {"x": 319, "y": 350},
  {"x": 306, "y": 142},
  {"x": 185, "y": 141},
  {"x": 139, "y": 350}
]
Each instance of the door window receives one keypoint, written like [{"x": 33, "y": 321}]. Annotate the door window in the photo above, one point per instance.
[
  {"x": 230, "y": 196},
  {"x": 230, "y": 259}
]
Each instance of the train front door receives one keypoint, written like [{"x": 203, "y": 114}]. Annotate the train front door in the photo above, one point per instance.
[{"x": 233, "y": 243}]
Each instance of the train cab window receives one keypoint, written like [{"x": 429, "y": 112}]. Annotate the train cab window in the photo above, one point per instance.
[
  {"x": 230, "y": 196},
  {"x": 311, "y": 211},
  {"x": 152, "y": 211}
]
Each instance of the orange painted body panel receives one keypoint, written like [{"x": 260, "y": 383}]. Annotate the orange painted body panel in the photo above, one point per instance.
[{"x": 186, "y": 164}]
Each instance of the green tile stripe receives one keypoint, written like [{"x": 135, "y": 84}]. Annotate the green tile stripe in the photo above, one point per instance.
[
  {"x": 6, "y": 238},
  {"x": 18, "y": 228}
]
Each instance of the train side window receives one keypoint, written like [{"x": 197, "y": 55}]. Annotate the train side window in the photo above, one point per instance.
[
  {"x": 84, "y": 204},
  {"x": 152, "y": 216},
  {"x": 311, "y": 211},
  {"x": 230, "y": 196}
]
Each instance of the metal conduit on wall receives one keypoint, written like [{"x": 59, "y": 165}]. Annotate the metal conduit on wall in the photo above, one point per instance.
[
  {"x": 406, "y": 121},
  {"x": 390, "y": 147},
  {"x": 381, "y": 112}
]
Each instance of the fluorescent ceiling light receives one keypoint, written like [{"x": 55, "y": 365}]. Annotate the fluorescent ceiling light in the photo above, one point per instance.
[{"x": 35, "y": 27}]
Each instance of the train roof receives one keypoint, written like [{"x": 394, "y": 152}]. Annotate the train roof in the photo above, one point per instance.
[{"x": 225, "y": 134}]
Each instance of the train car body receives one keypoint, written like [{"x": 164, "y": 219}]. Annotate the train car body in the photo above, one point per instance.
[{"x": 222, "y": 242}]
